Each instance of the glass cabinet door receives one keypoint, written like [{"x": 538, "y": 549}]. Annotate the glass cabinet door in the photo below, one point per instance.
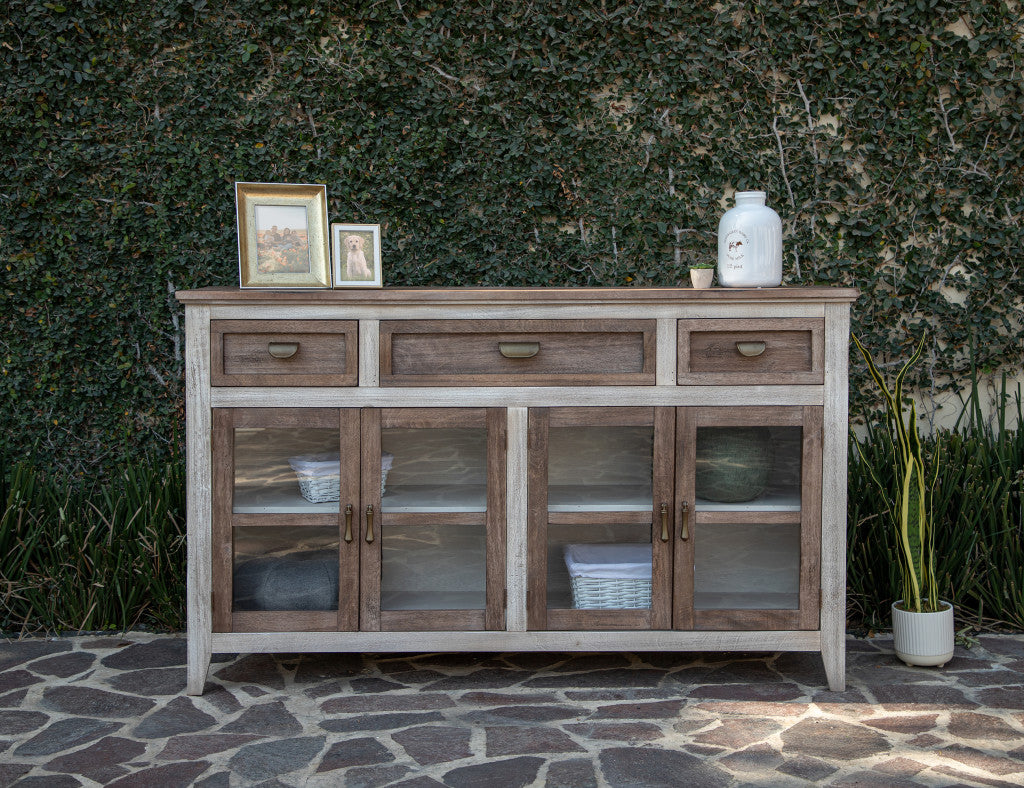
[
  {"x": 434, "y": 521},
  {"x": 287, "y": 487},
  {"x": 600, "y": 519},
  {"x": 748, "y": 498}
]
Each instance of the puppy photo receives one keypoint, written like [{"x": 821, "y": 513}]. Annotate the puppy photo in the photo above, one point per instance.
[
  {"x": 355, "y": 255},
  {"x": 355, "y": 261}
]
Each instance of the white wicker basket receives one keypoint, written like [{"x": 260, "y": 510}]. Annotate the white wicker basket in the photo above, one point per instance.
[
  {"x": 319, "y": 475},
  {"x": 592, "y": 593},
  {"x": 609, "y": 576}
]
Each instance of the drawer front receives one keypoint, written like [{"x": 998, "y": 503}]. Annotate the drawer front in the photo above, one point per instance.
[
  {"x": 758, "y": 352},
  {"x": 284, "y": 352},
  {"x": 517, "y": 352}
]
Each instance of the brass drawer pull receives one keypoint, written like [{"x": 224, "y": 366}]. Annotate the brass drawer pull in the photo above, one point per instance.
[
  {"x": 684, "y": 532},
  {"x": 750, "y": 349},
  {"x": 348, "y": 523},
  {"x": 282, "y": 349},
  {"x": 519, "y": 349},
  {"x": 664, "y": 522}
]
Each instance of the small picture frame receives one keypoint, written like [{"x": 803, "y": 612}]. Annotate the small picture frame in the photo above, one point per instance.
[
  {"x": 355, "y": 255},
  {"x": 282, "y": 235}
]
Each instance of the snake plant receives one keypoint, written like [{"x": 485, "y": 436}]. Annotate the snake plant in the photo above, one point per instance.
[{"x": 909, "y": 504}]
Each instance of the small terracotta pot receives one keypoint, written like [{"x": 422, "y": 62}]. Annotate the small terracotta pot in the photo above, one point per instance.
[{"x": 701, "y": 278}]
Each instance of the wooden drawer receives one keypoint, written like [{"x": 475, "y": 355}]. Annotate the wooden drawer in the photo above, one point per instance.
[
  {"x": 760, "y": 352},
  {"x": 284, "y": 352},
  {"x": 517, "y": 352}
]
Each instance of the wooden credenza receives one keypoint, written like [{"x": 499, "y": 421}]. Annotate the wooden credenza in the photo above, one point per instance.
[{"x": 516, "y": 469}]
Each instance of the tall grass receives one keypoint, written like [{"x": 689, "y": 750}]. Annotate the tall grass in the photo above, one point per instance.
[
  {"x": 83, "y": 557},
  {"x": 978, "y": 518}
]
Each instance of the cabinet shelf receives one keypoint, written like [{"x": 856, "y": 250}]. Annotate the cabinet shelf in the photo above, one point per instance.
[
  {"x": 773, "y": 500},
  {"x": 281, "y": 497},
  {"x": 599, "y": 498},
  {"x": 752, "y": 600},
  {"x": 427, "y": 498}
]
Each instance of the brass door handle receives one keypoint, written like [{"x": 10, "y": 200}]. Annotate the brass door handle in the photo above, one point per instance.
[
  {"x": 282, "y": 349},
  {"x": 664, "y": 522},
  {"x": 519, "y": 349},
  {"x": 684, "y": 531},
  {"x": 348, "y": 523},
  {"x": 369, "y": 523},
  {"x": 750, "y": 349}
]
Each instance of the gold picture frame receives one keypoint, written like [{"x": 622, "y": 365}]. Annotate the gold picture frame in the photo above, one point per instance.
[{"x": 282, "y": 235}]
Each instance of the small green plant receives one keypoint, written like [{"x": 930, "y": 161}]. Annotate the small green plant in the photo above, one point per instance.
[
  {"x": 908, "y": 501},
  {"x": 702, "y": 265}
]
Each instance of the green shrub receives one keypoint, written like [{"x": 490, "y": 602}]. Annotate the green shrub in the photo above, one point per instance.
[
  {"x": 978, "y": 520},
  {"x": 77, "y": 556}
]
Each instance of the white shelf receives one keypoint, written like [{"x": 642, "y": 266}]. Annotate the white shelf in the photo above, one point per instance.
[
  {"x": 450, "y": 600},
  {"x": 750, "y": 600},
  {"x": 425, "y": 498},
  {"x": 773, "y": 500},
  {"x": 284, "y": 497},
  {"x": 279, "y": 497},
  {"x": 600, "y": 498}
]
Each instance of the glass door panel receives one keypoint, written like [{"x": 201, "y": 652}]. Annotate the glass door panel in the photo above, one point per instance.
[
  {"x": 600, "y": 469},
  {"x": 436, "y": 567},
  {"x": 434, "y": 470},
  {"x": 285, "y": 568},
  {"x": 600, "y": 524},
  {"x": 748, "y": 468},
  {"x": 746, "y": 566},
  {"x": 748, "y": 487},
  {"x": 285, "y": 520},
  {"x": 436, "y": 559},
  {"x": 285, "y": 469}
]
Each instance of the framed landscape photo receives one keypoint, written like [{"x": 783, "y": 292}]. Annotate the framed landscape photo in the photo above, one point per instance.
[
  {"x": 355, "y": 255},
  {"x": 282, "y": 235}
]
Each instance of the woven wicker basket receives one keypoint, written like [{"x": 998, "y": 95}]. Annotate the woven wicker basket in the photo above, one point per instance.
[
  {"x": 319, "y": 475},
  {"x": 320, "y": 489},
  {"x": 598, "y": 593},
  {"x": 605, "y": 576}
]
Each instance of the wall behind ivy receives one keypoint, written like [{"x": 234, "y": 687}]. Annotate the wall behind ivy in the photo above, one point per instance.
[{"x": 499, "y": 143}]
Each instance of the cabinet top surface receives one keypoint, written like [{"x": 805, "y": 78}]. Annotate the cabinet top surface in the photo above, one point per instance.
[{"x": 518, "y": 295}]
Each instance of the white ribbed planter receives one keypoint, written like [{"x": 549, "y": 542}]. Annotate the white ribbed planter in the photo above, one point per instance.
[{"x": 923, "y": 638}]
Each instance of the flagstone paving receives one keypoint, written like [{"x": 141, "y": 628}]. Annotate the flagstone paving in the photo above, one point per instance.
[{"x": 86, "y": 711}]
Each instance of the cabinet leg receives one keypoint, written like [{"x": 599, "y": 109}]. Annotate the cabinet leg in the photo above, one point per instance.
[
  {"x": 198, "y": 665},
  {"x": 834, "y": 657}
]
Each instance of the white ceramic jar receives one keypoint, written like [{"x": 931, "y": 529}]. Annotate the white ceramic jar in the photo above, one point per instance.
[{"x": 750, "y": 244}]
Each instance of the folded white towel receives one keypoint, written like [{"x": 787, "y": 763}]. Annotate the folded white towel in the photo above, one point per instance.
[{"x": 609, "y": 561}]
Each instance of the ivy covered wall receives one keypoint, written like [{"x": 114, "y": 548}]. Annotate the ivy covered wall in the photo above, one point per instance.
[{"x": 501, "y": 143}]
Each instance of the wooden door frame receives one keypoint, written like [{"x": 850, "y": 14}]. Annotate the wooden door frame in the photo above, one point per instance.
[
  {"x": 492, "y": 616},
  {"x": 540, "y": 421},
  {"x": 225, "y": 521},
  {"x": 806, "y": 616}
]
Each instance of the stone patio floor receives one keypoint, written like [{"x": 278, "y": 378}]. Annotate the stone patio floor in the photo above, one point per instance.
[{"x": 111, "y": 711}]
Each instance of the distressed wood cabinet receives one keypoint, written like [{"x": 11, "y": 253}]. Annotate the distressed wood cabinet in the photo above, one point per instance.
[{"x": 516, "y": 469}]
